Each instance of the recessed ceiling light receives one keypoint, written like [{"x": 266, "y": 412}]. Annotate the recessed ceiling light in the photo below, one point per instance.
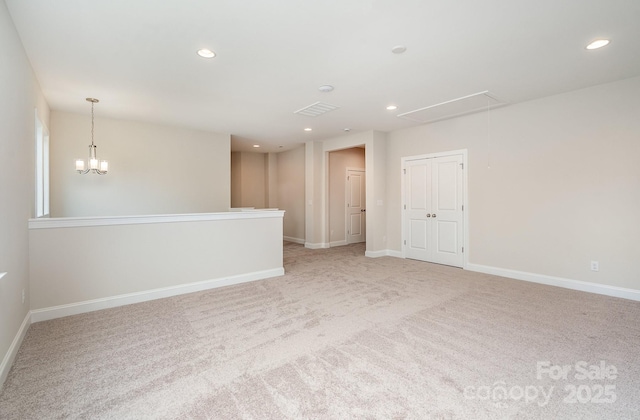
[
  {"x": 598, "y": 43},
  {"x": 206, "y": 53},
  {"x": 398, "y": 49},
  {"x": 256, "y": 145},
  {"x": 392, "y": 107},
  {"x": 325, "y": 88},
  {"x": 307, "y": 129}
]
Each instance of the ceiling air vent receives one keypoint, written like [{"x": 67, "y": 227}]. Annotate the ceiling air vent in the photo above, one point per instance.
[
  {"x": 476, "y": 102},
  {"x": 316, "y": 109}
]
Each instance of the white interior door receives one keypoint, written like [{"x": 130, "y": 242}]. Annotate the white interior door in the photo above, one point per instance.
[
  {"x": 356, "y": 206},
  {"x": 433, "y": 210},
  {"x": 446, "y": 210},
  {"x": 417, "y": 208}
]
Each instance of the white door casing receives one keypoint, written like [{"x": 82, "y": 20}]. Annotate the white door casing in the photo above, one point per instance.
[
  {"x": 355, "y": 222},
  {"x": 433, "y": 209}
]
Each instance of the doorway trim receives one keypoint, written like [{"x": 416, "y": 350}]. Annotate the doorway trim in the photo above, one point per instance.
[
  {"x": 363, "y": 140},
  {"x": 465, "y": 197}
]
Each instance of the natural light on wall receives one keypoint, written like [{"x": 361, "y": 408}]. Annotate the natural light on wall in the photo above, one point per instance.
[{"x": 42, "y": 169}]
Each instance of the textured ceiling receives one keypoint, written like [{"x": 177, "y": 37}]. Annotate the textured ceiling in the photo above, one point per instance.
[{"x": 139, "y": 58}]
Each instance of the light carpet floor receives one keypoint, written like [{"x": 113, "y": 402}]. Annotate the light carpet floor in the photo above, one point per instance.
[{"x": 339, "y": 336}]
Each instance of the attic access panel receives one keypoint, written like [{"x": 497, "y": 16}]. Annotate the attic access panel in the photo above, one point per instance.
[{"x": 470, "y": 104}]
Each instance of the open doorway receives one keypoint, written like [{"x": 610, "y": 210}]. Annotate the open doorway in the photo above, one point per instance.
[{"x": 346, "y": 196}]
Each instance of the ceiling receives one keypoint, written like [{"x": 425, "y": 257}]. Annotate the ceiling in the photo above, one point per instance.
[{"x": 139, "y": 58}]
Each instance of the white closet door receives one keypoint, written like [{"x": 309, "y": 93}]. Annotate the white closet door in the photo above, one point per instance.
[
  {"x": 434, "y": 223},
  {"x": 418, "y": 210},
  {"x": 446, "y": 210}
]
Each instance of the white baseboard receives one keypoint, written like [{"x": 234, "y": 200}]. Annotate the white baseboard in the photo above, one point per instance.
[
  {"x": 337, "y": 243},
  {"x": 383, "y": 253},
  {"x": 294, "y": 240},
  {"x": 53, "y": 312},
  {"x": 584, "y": 286},
  {"x": 601, "y": 289},
  {"x": 315, "y": 246},
  {"x": 375, "y": 254},
  {"x": 10, "y": 356}
]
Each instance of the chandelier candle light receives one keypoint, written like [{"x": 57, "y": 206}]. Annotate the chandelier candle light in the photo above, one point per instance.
[{"x": 95, "y": 166}]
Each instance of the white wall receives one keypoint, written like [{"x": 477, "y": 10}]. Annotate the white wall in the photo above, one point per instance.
[
  {"x": 291, "y": 192},
  {"x": 20, "y": 96},
  {"x": 563, "y": 187},
  {"x": 272, "y": 181},
  {"x": 314, "y": 186},
  {"x": 236, "y": 179},
  {"x": 377, "y": 187},
  {"x": 76, "y": 262},
  {"x": 153, "y": 169},
  {"x": 249, "y": 179},
  {"x": 339, "y": 161}
]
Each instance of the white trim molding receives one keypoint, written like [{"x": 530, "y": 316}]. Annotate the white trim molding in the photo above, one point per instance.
[
  {"x": 383, "y": 253},
  {"x": 66, "y": 222},
  {"x": 10, "y": 356},
  {"x": 294, "y": 240},
  {"x": 337, "y": 243},
  {"x": 601, "y": 289},
  {"x": 316, "y": 246},
  {"x": 60, "y": 311}
]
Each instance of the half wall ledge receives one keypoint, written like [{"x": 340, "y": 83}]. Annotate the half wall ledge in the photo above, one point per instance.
[
  {"x": 62, "y": 222},
  {"x": 89, "y": 263}
]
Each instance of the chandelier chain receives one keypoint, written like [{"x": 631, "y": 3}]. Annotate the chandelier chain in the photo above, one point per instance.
[{"x": 92, "y": 103}]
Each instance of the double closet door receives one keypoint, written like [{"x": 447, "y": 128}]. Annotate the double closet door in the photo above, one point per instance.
[{"x": 433, "y": 217}]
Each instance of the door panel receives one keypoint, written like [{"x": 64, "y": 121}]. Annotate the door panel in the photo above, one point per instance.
[
  {"x": 418, "y": 235},
  {"x": 355, "y": 225},
  {"x": 447, "y": 206},
  {"x": 445, "y": 177},
  {"x": 418, "y": 187},
  {"x": 446, "y": 233},
  {"x": 416, "y": 223},
  {"x": 355, "y": 190}
]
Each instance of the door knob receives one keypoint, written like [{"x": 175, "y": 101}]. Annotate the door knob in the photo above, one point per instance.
[
  {"x": 433, "y": 215},
  {"x": 428, "y": 215}
]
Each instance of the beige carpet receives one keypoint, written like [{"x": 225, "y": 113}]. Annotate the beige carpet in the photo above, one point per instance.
[{"x": 339, "y": 336}]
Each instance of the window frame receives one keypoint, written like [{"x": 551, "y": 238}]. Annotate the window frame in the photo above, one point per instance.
[{"x": 41, "y": 168}]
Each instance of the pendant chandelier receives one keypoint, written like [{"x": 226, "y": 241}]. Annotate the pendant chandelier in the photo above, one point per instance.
[{"x": 92, "y": 165}]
